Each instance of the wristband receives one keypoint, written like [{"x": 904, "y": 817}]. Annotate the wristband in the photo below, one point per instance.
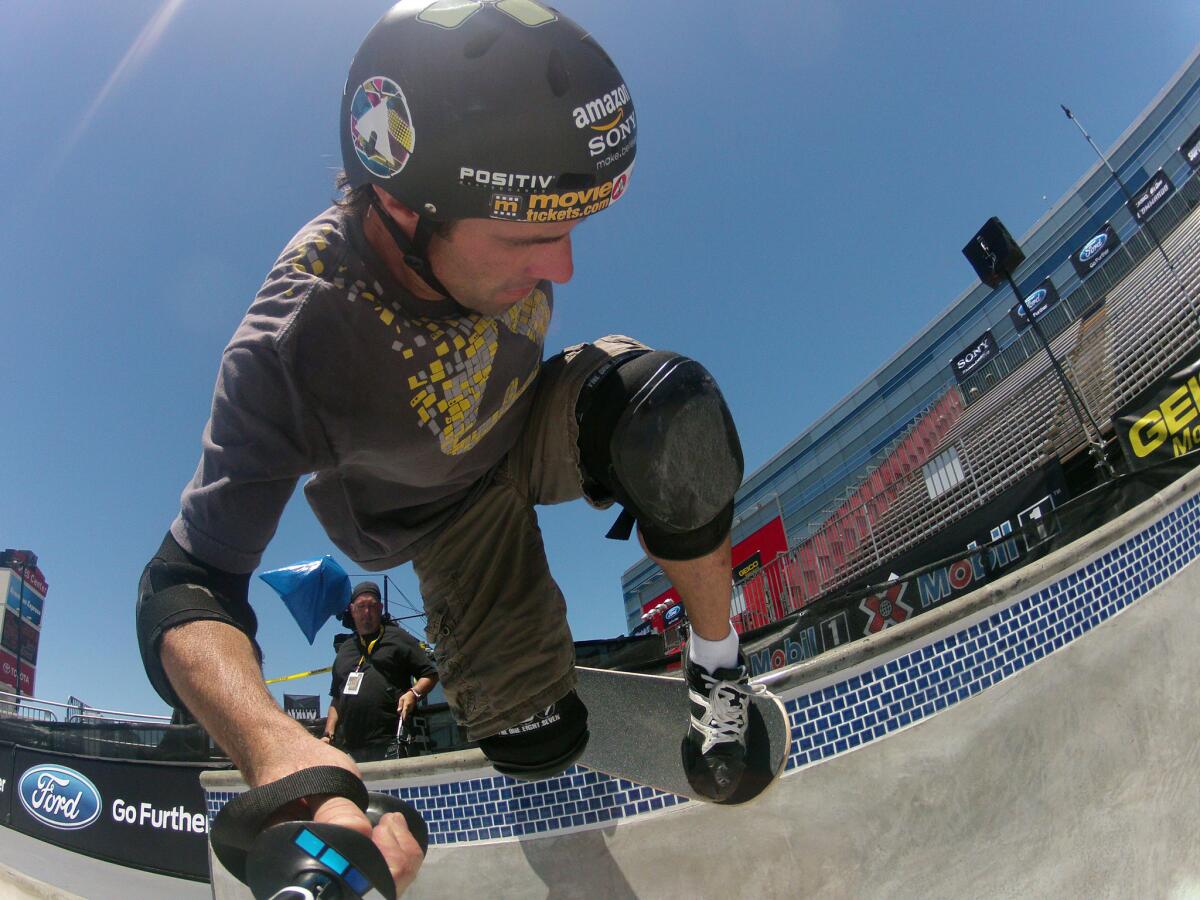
[{"x": 415, "y": 693}]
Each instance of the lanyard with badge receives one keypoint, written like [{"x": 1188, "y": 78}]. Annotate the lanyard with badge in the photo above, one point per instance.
[{"x": 354, "y": 679}]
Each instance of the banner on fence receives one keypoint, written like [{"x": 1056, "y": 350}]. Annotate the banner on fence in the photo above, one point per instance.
[
  {"x": 1095, "y": 250},
  {"x": 1163, "y": 421},
  {"x": 302, "y": 707},
  {"x": 987, "y": 553},
  {"x": 147, "y": 815}
]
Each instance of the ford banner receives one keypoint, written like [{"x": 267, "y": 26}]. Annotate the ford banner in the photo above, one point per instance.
[
  {"x": 143, "y": 814},
  {"x": 1095, "y": 251},
  {"x": 1038, "y": 304}
]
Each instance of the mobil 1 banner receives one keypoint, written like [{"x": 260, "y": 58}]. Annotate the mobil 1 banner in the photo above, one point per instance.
[
  {"x": 1190, "y": 149},
  {"x": 986, "y": 544},
  {"x": 970, "y": 360},
  {"x": 1095, "y": 251},
  {"x": 1152, "y": 195},
  {"x": 1040, "y": 302},
  {"x": 1163, "y": 422},
  {"x": 146, "y": 815},
  {"x": 1008, "y": 529}
]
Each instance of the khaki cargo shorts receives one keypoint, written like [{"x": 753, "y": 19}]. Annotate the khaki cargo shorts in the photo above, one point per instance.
[{"x": 496, "y": 616}]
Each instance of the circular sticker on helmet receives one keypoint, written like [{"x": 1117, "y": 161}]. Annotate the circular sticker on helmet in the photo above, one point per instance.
[{"x": 381, "y": 126}]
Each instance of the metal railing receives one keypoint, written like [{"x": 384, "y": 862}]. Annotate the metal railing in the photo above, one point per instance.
[
  {"x": 11, "y": 708},
  {"x": 47, "y": 710}
]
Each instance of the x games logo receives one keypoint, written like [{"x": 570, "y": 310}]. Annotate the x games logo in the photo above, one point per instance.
[{"x": 886, "y": 609}]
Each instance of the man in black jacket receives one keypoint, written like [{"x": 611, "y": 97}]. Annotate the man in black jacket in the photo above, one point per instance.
[{"x": 379, "y": 677}]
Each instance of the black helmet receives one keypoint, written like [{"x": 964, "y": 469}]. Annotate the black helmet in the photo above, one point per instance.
[{"x": 501, "y": 109}]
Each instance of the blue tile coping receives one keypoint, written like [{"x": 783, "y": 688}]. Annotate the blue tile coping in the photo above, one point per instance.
[{"x": 850, "y": 713}]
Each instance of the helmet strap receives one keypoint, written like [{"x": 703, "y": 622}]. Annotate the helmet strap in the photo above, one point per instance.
[{"x": 415, "y": 250}]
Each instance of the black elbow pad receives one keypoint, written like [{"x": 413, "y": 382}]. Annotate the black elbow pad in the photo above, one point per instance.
[{"x": 176, "y": 588}]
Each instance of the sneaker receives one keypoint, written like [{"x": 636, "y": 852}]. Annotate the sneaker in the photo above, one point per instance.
[{"x": 714, "y": 749}]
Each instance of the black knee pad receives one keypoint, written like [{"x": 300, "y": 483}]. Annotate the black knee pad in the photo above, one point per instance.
[
  {"x": 544, "y": 744},
  {"x": 656, "y": 435}
]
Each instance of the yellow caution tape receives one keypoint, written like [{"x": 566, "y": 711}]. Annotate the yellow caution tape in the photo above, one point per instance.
[{"x": 299, "y": 675}]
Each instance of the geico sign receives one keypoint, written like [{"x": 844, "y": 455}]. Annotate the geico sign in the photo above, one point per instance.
[{"x": 1169, "y": 420}]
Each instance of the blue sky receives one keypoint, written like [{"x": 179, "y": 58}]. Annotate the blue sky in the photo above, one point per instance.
[{"x": 807, "y": 174}]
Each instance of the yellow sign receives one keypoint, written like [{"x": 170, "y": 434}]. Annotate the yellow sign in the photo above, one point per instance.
[{"x": 1168, "y": 421}]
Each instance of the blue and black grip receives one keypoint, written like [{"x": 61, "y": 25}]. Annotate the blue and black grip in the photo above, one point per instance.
[{"x": 306, "y": 859}]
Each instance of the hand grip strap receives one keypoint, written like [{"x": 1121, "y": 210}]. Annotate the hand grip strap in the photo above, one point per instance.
[{"x": 242, "y": 819}]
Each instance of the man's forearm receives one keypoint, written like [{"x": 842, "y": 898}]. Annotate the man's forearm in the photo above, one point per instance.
[
  {"x": 331, "y": 721},
  {"x": 213, "y": 669},
  {"x": 424, "y": 685}
]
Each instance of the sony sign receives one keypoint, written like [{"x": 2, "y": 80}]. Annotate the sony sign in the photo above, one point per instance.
[{"x": 972, "y": 359}]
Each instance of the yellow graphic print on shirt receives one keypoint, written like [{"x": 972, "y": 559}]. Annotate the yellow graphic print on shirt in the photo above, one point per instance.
[{"x": 447, "y": 393}]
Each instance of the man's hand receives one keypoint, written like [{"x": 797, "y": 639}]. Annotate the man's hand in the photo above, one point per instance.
[
  {"x": 399, "y": 848},
  {"x": 213, "y": 669},
  {"x": 407, "y": 705}
]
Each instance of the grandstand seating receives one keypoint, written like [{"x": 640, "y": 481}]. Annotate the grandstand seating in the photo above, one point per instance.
[{"x": 1018, "y": 416}]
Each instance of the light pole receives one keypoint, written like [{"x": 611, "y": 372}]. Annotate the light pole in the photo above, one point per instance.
[
  {"x": 1095, "y": 445},
  {"x": 994, "y": 254}
]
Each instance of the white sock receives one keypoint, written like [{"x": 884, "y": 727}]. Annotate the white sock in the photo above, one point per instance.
[{"x": 713, "y": 655}]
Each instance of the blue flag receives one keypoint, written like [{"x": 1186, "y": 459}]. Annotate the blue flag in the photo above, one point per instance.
[{"x": 312, "y": 591}]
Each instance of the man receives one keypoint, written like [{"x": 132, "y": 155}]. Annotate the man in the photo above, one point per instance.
[
  {"x": 395, "y": 350},
  {"x": 373, "y": 675}
]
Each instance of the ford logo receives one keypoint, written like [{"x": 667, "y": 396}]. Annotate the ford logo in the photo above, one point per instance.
[
  {"x": 1036, "y": 298},
  {"x": 59, "y": 797},
  {"x": 1092, "y": 247}
]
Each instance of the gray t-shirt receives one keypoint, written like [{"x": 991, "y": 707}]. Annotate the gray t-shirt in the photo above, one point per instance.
[{"x": 399, "y": 408}]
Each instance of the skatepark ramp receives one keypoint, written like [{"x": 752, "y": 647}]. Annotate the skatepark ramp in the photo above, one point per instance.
[{"x": 1037, "y": 737}]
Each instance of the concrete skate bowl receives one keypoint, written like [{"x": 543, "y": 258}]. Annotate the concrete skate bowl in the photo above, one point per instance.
[{"x": 1037, "y": 737}]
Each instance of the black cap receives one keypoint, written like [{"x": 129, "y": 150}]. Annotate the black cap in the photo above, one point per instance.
[{"x": 366, "y": 587}]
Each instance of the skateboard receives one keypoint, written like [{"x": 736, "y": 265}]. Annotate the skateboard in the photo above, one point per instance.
[{"x": 637, "y": 723}]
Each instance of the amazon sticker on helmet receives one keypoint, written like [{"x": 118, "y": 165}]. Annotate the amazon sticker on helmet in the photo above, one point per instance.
[{"x": 381, "y": 126}]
